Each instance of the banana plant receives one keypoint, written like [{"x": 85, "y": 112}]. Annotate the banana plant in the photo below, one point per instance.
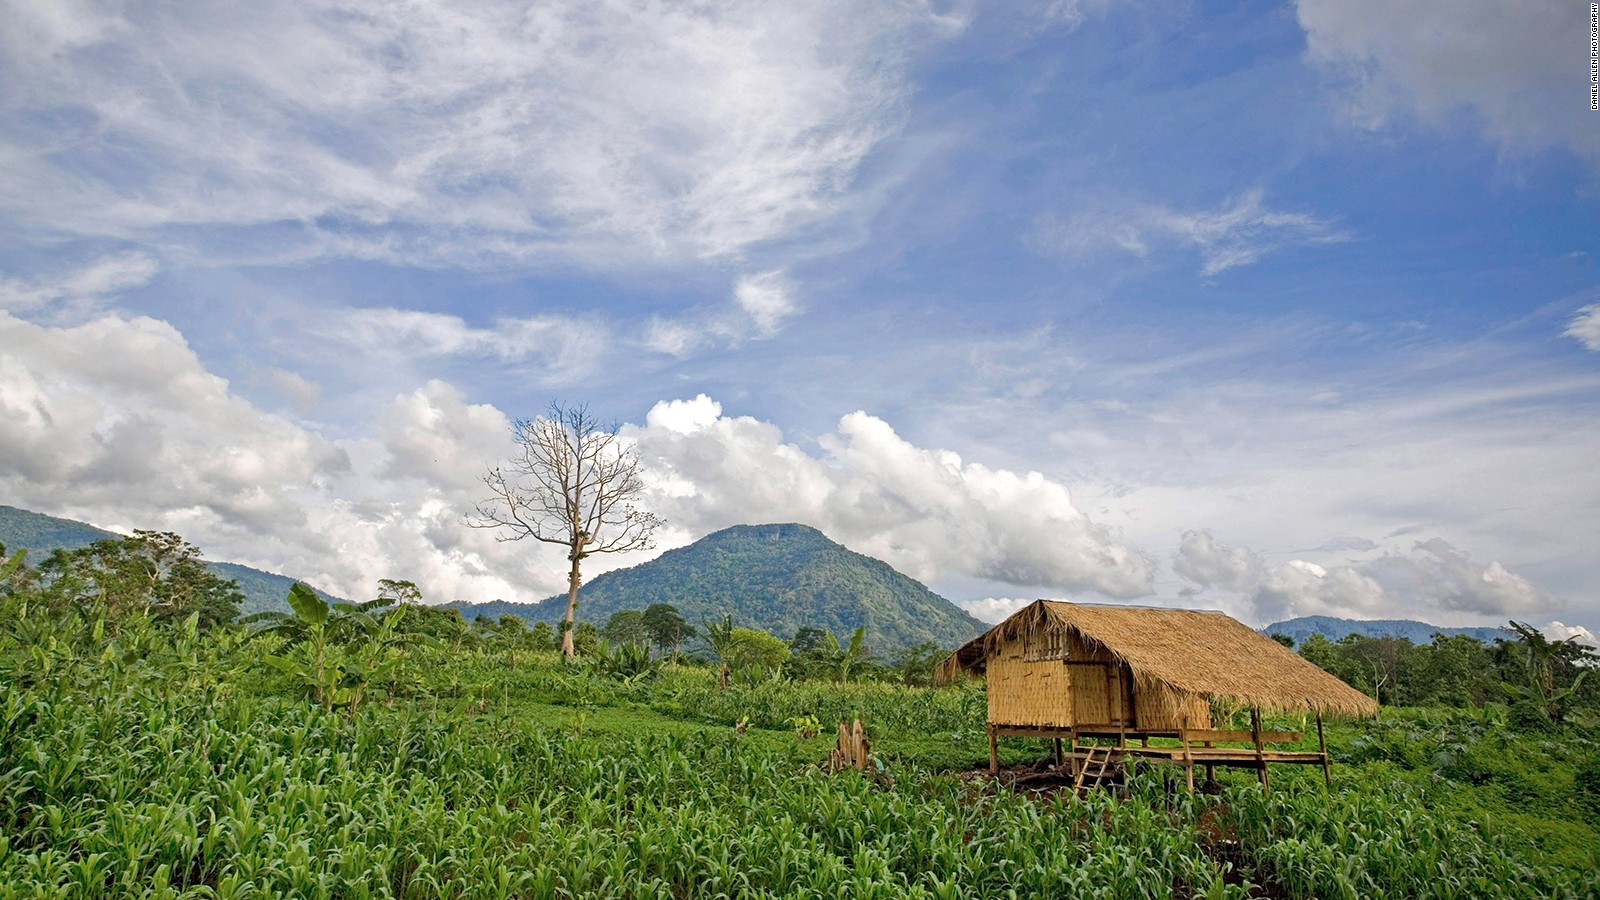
[{"x": 340, "y": 650}]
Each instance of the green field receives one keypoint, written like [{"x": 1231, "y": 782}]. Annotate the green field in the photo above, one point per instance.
[{"x": 152, "y": 759}]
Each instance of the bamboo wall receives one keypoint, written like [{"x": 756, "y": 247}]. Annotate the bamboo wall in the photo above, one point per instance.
[
  {"x": 1057, "y": 680},
  {"x": 1163, "y": 708}
]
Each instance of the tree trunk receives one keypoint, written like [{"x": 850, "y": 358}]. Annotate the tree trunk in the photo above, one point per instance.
[{"x": 573, "y": 580}]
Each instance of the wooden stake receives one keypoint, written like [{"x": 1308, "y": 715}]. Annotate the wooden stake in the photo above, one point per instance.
[
  {"x": 994, "y": 752},
  {"x": 1322, "y": 747},
  {"x": 1188, "y": 757},
  {"x": 1261, "y": 758}
]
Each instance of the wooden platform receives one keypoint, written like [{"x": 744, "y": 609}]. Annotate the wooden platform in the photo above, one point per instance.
[{"x": 1195, "y": 747}]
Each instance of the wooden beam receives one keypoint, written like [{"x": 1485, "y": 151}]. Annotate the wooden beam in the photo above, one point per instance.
[
  {"x": 1200, "y": 735},
  {"x": 994, "y": 751}
]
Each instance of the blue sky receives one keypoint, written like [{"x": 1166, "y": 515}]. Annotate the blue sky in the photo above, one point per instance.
[{"x": 1288, "y": 309}]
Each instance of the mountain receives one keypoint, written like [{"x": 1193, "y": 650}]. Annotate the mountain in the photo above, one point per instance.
[
  {"x": 39, "y": 534},
  {"x": 1414, "y": 631},
  {"x": 779, "y": 578}
]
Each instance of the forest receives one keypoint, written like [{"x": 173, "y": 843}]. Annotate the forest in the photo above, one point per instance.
[{"x": 153, "y": 744}]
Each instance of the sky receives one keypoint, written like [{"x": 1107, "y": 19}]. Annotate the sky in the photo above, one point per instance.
[{"x": 1285, "y": 309}]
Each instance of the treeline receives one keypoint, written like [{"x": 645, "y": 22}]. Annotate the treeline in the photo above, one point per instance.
[
  {"x": 161, "y": 576},
  {"x": 1539, "y": 680}
]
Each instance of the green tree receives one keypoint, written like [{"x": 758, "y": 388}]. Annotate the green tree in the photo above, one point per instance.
[
  {"x": 667, "y": 627},
  {"x": 571, "y": 483},
  {"x": 397, "y": 593},
  {"x": 158, "y": 573},
  {"x": 585, "y": 639},
  {"x": 917, "y": 664},
  {"x": 626, "y": 626}
]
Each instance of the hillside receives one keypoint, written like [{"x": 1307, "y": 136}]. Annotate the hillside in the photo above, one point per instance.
[
  {"x": 779, "y": 578},
  {"x": 39, "y": 534},
  {"x": 1416, "y": 632}
]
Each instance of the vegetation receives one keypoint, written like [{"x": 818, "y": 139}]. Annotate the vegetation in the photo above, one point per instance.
[
  {"x": 1540, "y": 680},
  {"x": 144, "y": 755},
  {"x": 40, "y": 535}
]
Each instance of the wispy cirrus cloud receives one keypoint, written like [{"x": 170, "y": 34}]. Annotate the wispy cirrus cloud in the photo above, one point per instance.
[
  {"x": 1584, "y": 326},
  {"x": 1236, "y": 233},
  {"x": 471, "y": 134},
  {"x": 104, "y": 276}
]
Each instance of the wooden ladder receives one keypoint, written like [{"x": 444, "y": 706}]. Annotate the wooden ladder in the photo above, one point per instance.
[{"x": 1096, "y": 756}]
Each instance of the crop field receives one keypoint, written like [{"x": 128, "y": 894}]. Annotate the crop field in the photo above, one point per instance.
[{"x": 148, "y": 760}]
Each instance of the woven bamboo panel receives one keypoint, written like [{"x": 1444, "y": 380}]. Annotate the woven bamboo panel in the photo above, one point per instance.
[
  {"x": 1024, "y": 692},
  {"x": 1164, "y": 708}
]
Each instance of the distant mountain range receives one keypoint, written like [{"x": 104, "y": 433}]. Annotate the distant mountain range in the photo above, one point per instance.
[
  {"x": 39, "y": 534},
  {"x": 1416, "y": 632},
  {"x": 779, "y": 578}
]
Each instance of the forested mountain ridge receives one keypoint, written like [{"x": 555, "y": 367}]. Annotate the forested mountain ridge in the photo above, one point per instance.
[
  {"x": 1334, "y": 628},
  {"x": 22, "y": 529},
  {"x": 779, "y": 578}
]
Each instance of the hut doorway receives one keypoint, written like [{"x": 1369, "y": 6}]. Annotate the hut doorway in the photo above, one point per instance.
[{"x": 1102, "y": 693}]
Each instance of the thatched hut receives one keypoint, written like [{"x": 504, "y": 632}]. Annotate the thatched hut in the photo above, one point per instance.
[{"x": 1076, "y": 670}]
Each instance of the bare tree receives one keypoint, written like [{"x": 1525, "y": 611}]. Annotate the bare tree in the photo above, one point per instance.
[{"x": 573, "y": 483}]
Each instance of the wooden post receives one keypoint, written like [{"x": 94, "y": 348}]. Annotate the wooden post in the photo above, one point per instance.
[
  {"x": 1261, "y": 757},
  {"x": 1188, "y": 757},
  {"x": 994, "y": 752},
  {"x": 1322, "y": 747},
  {"x": 1057, "y": 749},
  {"x": 1074, "y": 736}
]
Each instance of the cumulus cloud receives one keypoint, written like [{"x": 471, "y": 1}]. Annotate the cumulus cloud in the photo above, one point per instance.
[
  {"x": 457, "y": 133},
  {"x": 116, "y": 421},
  {"x": 121, "y": 413},
  {"x": 993, "y": 609},
  {"x": 106, "y": 275},
  {"x": 1236, "y": 233},
  {"x": 1585, "y": 326},
  {"x": 1517, "y": 69},
  {"x": 1449, "y": 579},
  {"x": 925, "y": 511},
  {"x": 1556, "y": 631},
  {"x": 1432, "y": 574},
  {"x": 1204, "y": 560}
]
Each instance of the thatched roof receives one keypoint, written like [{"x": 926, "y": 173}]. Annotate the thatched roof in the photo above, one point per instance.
[{"x": 1202, "y": 652}]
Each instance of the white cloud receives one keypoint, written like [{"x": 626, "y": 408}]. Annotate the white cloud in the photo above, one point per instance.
[
  {"x": 1204, "y": 560},
  {"x": 1433, "y": 574},
  {"x": 758, "y": 308},
  {"x": 303, "y": 394},
  {"x": 566, "y": 347},
  {"x": 1234, "y": 234},
  {"x": 1518, "y": 69},
  {"x": 925, "y": 511},
  {"x": 1585, "y": 326},
  {"x": 107, "y": 275},
  {"x": 993, "y": 609},
  {"x": 767, "y": 298},
  {"x": 1556, "y": 631},
  {"x": 1449, "y": 579},
  {"x": 456, "y": 133},
  {"x": 120, "y": 413}
]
